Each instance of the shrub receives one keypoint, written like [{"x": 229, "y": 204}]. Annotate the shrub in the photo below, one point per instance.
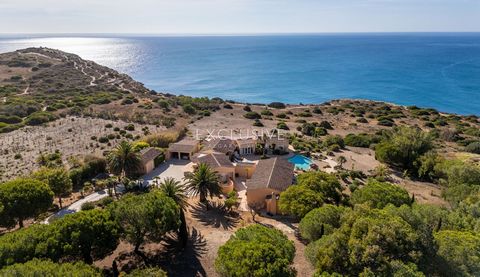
[
  {"x": 38, "y": 118},
  {"x": 10, "y": 119},
  {"x": 103, "y": 139},
  {"x": 258, "y": 123},
  {"x": 252, "y": 115},
  {"x": 38, "y": 267},
  {"x": 189, "y": 109},
  {"x": 473, "y": 147},
  {"x": 130, "y": 127},
  {"x": 282, "y": 126},
  {"x": 326, "y": 125},
  {"x": 277, "y": 105},
  {"x": 247, "y": 108},
  {"x": 362, "y": 120},
  {"x": 228, "y": 107},
  {"x": 87, "y": 206},
  {"x": 361, "y": 140},
  {"x": 266, "y": 113},
  {"x": 332, "y": 140},
  {"x": 240, "y": 255},
  {"x": 386, "y": 122}
]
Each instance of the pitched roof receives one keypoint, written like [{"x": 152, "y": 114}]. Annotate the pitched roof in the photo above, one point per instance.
[
  {"x": 275, "y": 173},
  {"x": 223, "y": 145},
  {"x": 148, "y": 154},
  {"x": 215, "y": 160},
  {"x": 183, "y": 146},
  {"x": 246, "y": 141}
]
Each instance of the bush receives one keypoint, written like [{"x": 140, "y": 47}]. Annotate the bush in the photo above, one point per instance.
[
  {"x": 10, "y": 119},
  {"x": 334, "y": 140},
  {"x": 258, "y": 123},
  {"x": 256, "y": 251},
  {"x": 326, "y": 125},
  {"x": 266, "y": 113},
  {"x": 38, "y": 267},
  {"x": 361, "y": 140},
  {"x": 189, "y": 109},
  {"x": 38, "y": 118},
  {"x": 130, "y": 127},
  {"x": 379, "y": 194},
  {"x": 473, "y": 147},
  {"x": 252, "y": 115},
  {"x": 103, "y": 139},
  {"x": 282, "y": 126},
  {"x": 362, "y": 120},
  {"x": 228, "y": 107},
  {"x": 87, "y": 206},
  {"x": 247, "y": 108},
  {"x": 277, "y": 105}
]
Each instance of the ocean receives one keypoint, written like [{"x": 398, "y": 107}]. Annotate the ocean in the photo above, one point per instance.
[{"x": 438, "y": 70}]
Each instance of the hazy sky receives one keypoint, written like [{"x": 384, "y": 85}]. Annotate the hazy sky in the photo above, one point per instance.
[{"x": 237, "y": 16}]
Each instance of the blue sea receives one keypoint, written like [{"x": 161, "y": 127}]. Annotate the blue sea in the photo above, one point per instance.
[{"x": 439, "y": 70}]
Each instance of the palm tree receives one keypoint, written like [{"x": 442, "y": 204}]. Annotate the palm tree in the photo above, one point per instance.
[
  {"x": 204, "y": 182},
  {"x": 176, "y": 191},
  {"x": 123, "y": 160}
]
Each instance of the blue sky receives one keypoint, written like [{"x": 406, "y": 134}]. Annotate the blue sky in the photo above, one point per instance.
[{"x": 237, "y": 16}]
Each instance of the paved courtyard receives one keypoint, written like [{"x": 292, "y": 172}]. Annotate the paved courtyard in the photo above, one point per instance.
[{"x": 172, "y": 168}]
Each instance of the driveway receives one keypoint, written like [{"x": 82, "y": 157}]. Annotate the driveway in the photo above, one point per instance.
[
  {"x": 77, "y": 206},
  {"x": 172, "y": 168}
]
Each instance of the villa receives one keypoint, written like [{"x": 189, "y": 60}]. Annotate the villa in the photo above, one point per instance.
[
  {"x": 231, "y": 159},
  {"x": 272, "y": 176}
]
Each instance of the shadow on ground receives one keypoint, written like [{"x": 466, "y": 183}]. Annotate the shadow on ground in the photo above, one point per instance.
[
  {"x": 182, "y": 262},
  {"x": 216, "y": 215}
]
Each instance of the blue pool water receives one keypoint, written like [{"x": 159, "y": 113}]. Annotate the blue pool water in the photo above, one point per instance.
[
  {"x": 301, "y": 162},
  {"x": 438, "y": 70}
]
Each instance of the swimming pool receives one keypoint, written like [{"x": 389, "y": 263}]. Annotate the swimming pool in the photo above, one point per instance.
[{"x": 301, "y": 162}]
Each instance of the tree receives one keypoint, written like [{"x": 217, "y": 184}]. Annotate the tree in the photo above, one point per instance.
[
  {"x": 203, "y": 182},
  {"x": 23, "y": 198},
  {"x": 367, "y": 241},
  {"x": 86, "y": 234},
  {"x": 146, "y": 217},
  {"x": 460, "y": 251},
  {"x": 321, "y": 221},
  {"x": 404, "y": 147},
  {"x": 57, "y": 179},
  {"x": 38, "y": 267},
  {"x": 324, "y": 183},
  {"x": 123, "y": 160},
  {"x": 298, "y": 200},
  {"x": 379, "y": 194},
  {"x": 256, "y": 251},
  {"x": 176, "y": 191}
]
